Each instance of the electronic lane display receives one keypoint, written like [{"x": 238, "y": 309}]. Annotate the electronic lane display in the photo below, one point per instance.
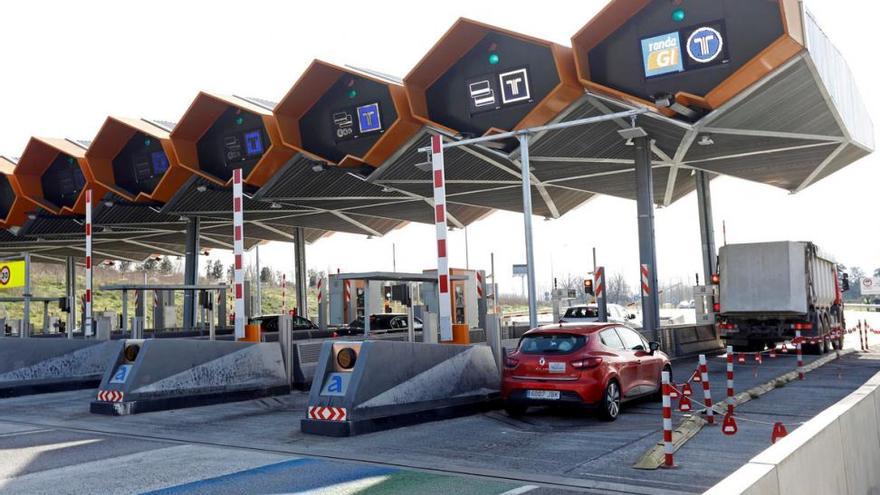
[
  {"x": 690, "y": 46},
  {"x": 237, "y": 139},
  {"x": 63, "y": 181},
  {"x": 494, "y": 85},
  {"x": 140, "y": 165},
  {"x": 7, "y": 196},
  {"x": 348, "y": 119}
]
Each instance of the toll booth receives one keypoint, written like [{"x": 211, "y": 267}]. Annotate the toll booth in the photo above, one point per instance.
[{"x": 467, "y": 296}]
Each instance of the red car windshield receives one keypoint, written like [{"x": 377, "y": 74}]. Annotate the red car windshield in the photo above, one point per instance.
[{"x": 551, "y": 343}]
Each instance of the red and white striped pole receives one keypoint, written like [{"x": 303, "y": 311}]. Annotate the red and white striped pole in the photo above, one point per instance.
[
  {"x": 346, "y": 292},
  {"x": 800, "y": 354},
  {"x": 87, "y": 329},
  {"x": 646, "y": 277},
  {"x": 445, "y": 310},
  {"x": 320, "y": 290},
  {"x": 707, "y": 392},
  {"x": 283, "y": 293},
  {"x": 667, "y": 422},
  {"x": 238, "y": 251},
  {"x": 479, "y": 285},
  {"x": 730, "y": 398}
]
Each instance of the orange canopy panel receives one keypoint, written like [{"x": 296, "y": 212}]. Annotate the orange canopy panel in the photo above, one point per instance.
[
  {"x": 695, "y": 53},
  {"x": 135, "y": 159},
  {"x": 218, "y": 134},
  {"x": 54, "y": 174},
  {"x": 14, "y": 206},
  {"x": 346, "y": 116},
  {"x": 480, "y": 79}
]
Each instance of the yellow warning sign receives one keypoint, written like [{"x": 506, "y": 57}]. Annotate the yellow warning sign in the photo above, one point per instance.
[{"x": 11, "y": 274}]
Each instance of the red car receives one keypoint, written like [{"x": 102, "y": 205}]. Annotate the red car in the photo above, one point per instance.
[{"x": 597, "y": 365}]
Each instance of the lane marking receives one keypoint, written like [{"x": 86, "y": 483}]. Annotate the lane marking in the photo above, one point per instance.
[{"x": 520, "y": 490}]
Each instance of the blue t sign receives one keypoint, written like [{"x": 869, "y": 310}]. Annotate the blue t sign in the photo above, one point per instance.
[{"x": 368, "y": 118}]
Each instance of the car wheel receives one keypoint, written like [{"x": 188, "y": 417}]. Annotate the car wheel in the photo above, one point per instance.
[
  {"x": 610, "y": 406},
  {"x": 515, "y": 411}
]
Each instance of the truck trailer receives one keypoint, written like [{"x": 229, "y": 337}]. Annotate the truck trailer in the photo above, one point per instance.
[{"x": 768, "y": 291}]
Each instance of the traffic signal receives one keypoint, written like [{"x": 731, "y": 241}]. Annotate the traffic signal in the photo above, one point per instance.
[{"x": 588, "y": 286}]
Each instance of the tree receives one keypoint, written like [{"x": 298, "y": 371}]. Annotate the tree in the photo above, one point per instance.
[
  {"x": 618, "y": 289},
  {"x": 165, "y": 266},
  {"x": 149, "y": 265},
  {"x": 214, "y": 270},
  {"x": 123, "y": 266},
  {"x": 266, "y": 275},
  {"x": 230, "y": 272}
]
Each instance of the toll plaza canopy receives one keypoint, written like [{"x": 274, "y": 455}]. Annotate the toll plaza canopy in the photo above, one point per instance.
[{"x": 746, "y": 88}]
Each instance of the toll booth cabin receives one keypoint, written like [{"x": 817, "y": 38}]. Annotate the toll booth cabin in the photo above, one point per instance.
[{"x": 350, "y": 296}]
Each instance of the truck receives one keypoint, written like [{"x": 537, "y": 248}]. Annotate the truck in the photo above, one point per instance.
[{"x": 769, "y": 291}]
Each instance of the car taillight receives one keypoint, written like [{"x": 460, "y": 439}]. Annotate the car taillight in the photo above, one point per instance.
[
  {"x": 333, "y": 335},
  {"x": 716, "y": 279},
  {"x": 586, "y": 363},
  {"x": 510, "y": 362},
  {"x": 727, "y": 326},
  {"x": 802, "y": 326},
  {"x": 716, "y": 307}
]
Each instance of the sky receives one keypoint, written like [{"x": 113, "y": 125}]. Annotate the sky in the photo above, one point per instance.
[{"x": 68, "y": 64}]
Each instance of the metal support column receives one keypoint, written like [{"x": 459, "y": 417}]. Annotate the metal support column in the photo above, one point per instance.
[
  {"x": 25, "y": 329},
  {"x": 70, "y": 285},
  {"x": 707, "y": 226},
  {"x": 191, "y": 271},
  {"x": 259, "y": 303},
  {"x": 527, "y": 219},
  {"x": 647, "y": 244},
  {"x": 299, "y": 261}
]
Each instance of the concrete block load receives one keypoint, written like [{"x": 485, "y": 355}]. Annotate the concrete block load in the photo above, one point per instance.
[
  {"x": 30, "y": 366},
  {"x": 361, "y": 387},
  {"x": 154, "y": 375}
]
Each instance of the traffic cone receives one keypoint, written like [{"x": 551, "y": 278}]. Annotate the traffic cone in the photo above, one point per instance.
[
  {"x": 773, "y": 353},
  {"x": 696, "y": 377},
  {"x": 741, "y": 358},
  {"x": 684, "y": 404},
  {"x": 779, "y": 431},
  {"x": 686, "y": 390},
  {"x": 729, "y": 425}
]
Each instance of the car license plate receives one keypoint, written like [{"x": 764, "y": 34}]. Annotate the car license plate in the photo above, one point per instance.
[
  {"x": 543, "y": 394},
  {"x": 557, "y": 367}
]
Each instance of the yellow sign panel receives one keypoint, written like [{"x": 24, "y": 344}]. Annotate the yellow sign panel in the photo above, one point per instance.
[{"x": 11, "y": 274}]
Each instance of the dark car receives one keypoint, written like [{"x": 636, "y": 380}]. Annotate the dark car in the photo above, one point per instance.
[
  {"x": 384, "y": 323},
  {"x": 269, "y": 323}
]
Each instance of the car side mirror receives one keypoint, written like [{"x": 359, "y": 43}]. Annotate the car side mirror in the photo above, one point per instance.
[{"x": 654, "y": 346}]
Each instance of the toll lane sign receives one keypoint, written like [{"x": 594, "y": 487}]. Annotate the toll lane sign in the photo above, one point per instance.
[
  {"x": 662, "y": 55},
  {"x": 336, "y": 384},
  {"x": 12, "y": 274}
]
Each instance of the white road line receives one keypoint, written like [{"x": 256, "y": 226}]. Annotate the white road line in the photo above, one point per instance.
[{"x": 520, "y": 490}]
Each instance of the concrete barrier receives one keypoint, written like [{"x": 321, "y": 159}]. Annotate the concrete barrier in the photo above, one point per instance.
[
  {"x": 837, "y": 452},
  {"x": 178, "y": 373},
  {"x": 393, "y": 384},
  {"x": 29, "y": 366}
]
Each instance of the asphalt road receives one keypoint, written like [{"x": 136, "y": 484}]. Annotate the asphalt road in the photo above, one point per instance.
[{"x": 50, "y": 443}]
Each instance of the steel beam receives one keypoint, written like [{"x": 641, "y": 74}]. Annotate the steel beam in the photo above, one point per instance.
[
  {"x": 191, "y": 270},
  {"x": 647, "y": 241},
  {"x": 299, "y": 261},
  {"x": 707, "y": 226},
  {"x": 527, "y": 219}
]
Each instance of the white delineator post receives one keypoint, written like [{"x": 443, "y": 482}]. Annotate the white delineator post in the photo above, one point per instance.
[
  {"x": 443, "y": 286},
  {"x": 238, "y": 251},
  {"x": 800, "y": 354},
  {"x": 87, "y": 325},
  {"x": 667, "y": 422},
  {"x": 707, "y": 391}
]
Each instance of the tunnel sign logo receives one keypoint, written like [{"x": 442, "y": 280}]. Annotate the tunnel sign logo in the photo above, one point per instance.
[
  {"x": 705, "y": 44},
  {"x": 514, "y": 86},
  {"x": 368, "y": 118},
  {"x": 662, "y": 55},
  {"x": 5, "y": 275}
]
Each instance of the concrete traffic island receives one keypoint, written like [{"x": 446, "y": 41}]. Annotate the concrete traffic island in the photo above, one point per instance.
[
  {"x": 362, "y": 387},
  {"x": 32, "y": 366},
  {"x": 154, "y": 375}
]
